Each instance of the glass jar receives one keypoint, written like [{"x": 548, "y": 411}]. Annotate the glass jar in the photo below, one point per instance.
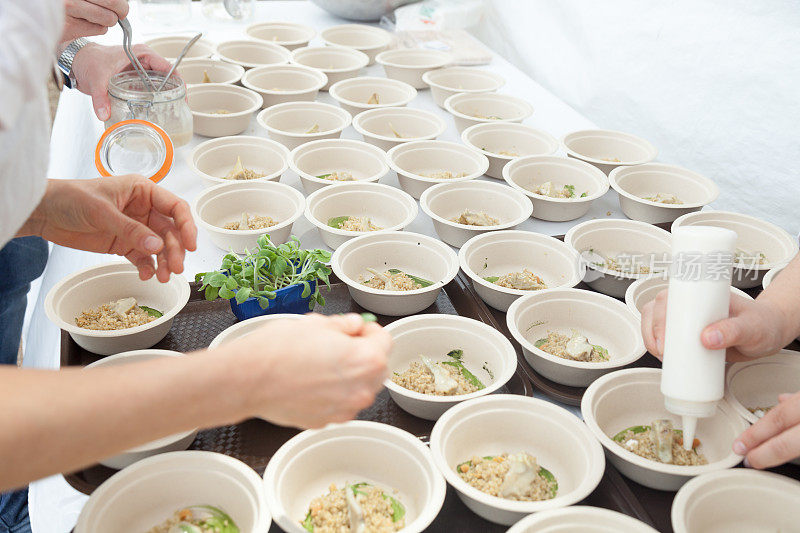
[
  {"x": 227, "y": 10},
  {"x": 130, "y": 99}
]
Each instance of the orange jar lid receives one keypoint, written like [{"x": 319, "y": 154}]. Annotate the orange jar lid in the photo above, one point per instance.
[{"x": 134, "y": 147}]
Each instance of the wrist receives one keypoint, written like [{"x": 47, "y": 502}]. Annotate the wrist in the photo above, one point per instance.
[{"x": 34, "y": 225}]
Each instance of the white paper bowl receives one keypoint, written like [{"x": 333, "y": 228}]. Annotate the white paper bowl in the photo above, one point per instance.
[
  {"x": 108, "y": 282},
  {"x": 285, "y": 83},
  {"x": 492, "y": 137},
  {"x": 386, "y": 206},
  {"x": 192, "y": 70},
  {"x": 446, "y": 201},
  {"x": 305, "y": 467},
  {"x": 770, "y": 275},
  {"x": 289, "y": 123},
  {"x": 644, "y": 290},
  {"x": 413, "y": 159},
  {"x": 287, "y": 34},
  {"x": 636, "y": 182},
  {"x": 149, "y": 492},
  {"x": 365, "y": 162},
  {"x": 736, "y": 501},
  {"x": 612, "y": 237},
  {"x": 212, "y": 160},
  {"x": 580, "y": 518},
  {"x": 633, "y": 397},
  {"x": 218, "y": 205},
  {"x": 436, "y": 335},
  {"x": 415, "y": 254},
  {"x": 525, "y": 173},
  {"x": 597, "y": 146},
  {"x": 603, "y": 320},
  {"x": 375, "y": 126},
  {"x": 251, "y": 53},
  {"x": 246, "y": 327},
  {"x": 507, "y": 423},
  {"x": 354, "y": 93},
  {"x": 758, "y": 383},
  {"x": 446, "y": 82},
  {"x": 367, "y": 39},
  {"x": 207, "y": 98},
  {"x": 409, "y": 64},
  {"x": 503, "y": 252},
  {"x": 170, "y": 443},
  {"x": 467, "y": 107},
  {"x": 754, "y": 235},
  {"x": 170, "y": 47},
  {"x": 337, "y": 62}
]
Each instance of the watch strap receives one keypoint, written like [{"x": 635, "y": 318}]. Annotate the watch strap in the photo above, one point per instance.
[{"x": 66, "y": 58}]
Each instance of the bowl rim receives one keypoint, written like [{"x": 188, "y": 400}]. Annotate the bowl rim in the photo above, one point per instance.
[
  {"x": 399, "y": 236},
  {"x": 522, "y": 201},
  {"x": 468, "y": 131},
  {"x": 234, "y": 68},
  {"x": 257, "y": 99},
  {"x": 596, "y": 173},
  {"x": 410, "y": 111},
  {"x": 363, "y": 186},
  {"x": 707, "y": 183},
  {"x": 463, "y": 252},
  {"x": 311, "y": 32},
  {"x": 361, "y": 58},
  {"x": 784, "y": 356},
  {"x": 633, "y": 288},
  {"x": 343, "y": 114},
  {"x": 410, "y": 91},
  {"x": 433, "y": 143},
  {"x": 647, "y": 144},
  {"x": 608, "y": 302},
  {"x": 593, "y": 448},
  {"x": 321, "y": 78},
  {"x": 428, "y": 77},
  {"x": 211, "y": 46},
  {"x": 510, "y": 354},
  {"x": 232, "y": 140},
  {"x": 115, "y": 268},
  {"x": 587, "y": 403},
  {"x": 223, "y": 335},
  {"x": 771, "y": 274},
  {"x": 208, "y": 193},
  {"x": 285, "y": 54},
  {"x": 524, "y": 104},
  {"x": 444, "y": 58},
  {"x": 372, "y": 149},
  {"x": 579, "y": 510},
  {"x": 385, "y": 35}
]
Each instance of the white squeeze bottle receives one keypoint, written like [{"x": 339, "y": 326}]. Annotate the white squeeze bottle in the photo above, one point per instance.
[{"x": 693, "y": 377}]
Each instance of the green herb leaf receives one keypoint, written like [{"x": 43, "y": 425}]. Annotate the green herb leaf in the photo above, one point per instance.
[
  {"x": 602, "y": 351},
  {"x": 150, "y": 311},
  {"x": 356, "y": 486},
  {"x": 324, "y": 176},
  {"x": 308, "y": 523},
  {"x": 540, "y": 342},
  {"x": 584, "y": 194},
  {"x": 211, "y": 293},
  {"x": 220, "y": 521},
  {"x": 243, "y": 294},
  {"x": 419, "y": 281},
  {"x": 457, "y": 355},
  {"x": 368, "y": 317},
  {"x": 336, "y": 222},
  {"x": 551, "y": 480},
  {"x": 492, "y": 279},
  {"x": 571, "y": 190},
  {"x": 398, "y": 510},
  {"x": 633, "y": 429}
]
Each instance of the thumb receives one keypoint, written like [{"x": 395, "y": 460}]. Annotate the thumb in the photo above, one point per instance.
[
  {"x": 131, "y": 234},
  {"x": 101, "y": 104},
  {"x": 725, "y": 333}
]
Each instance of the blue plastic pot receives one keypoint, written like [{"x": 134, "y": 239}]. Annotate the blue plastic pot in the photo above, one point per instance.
[{"x": 287, "y": 300}]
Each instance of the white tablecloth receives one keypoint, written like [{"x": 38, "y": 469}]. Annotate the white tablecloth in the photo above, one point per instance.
[{"x": 54, "y": 506}]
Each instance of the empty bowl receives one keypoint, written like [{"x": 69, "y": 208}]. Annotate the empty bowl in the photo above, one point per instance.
[
  {"x": 644, "y": 290},
  {"x": 215, "y": 159},
  {"x": 500, "y": 253},
  {"x": 230, "y": 203},
  {"x": 385, "y": 207},
  {"x": 618, "y": 252},
  {"x": 633, "y": 397},
  {"x": 219, "y": 109},
  {"x": 446, "y": 82},
  {"x": 285, "y": 83},
  {"x": 761, "y": 245},
  {"x": 602, "y": 320},
  {"x": 529, "y": 173},
  {"x": 425, "y": 258},
  {"x": 410, "y": 64},
  {"x": 608, "y": 149},
  {"x": 197, "y": 70},
  {"x": 108, "y": 282},
  {"x": 251, "y": 53},
  {"x": 462, "y": 210},
  {"x": 752, "y": 387},
  {"x": 170, "y": 47},
  {"x": 469, "y": 109},
  {"x": 290, "y": 35},
  {"x": 366, "y": 92},
  {"x": 507, "y": 423},
  {"x": 246, "y": 327},
  {"x": 319, "y": 162},
  {"x": 656, "y": 193},
  {"x": 295, "y": 123},
  {"x": 170, "y": 443},
  {"x": 423, "y": 164},
  {"x": 579, "y": 518},
  {"x": 336, "y": 62},
  {"x": 504, "y": 141},
  {"x": 487, "y": 354},
  {"x": 150, "y": 492},
  {"x": 367, "y": 39},
  {"x": 387, "y": 127}
]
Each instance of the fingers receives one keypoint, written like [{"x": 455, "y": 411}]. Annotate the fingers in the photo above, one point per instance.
[
  {"x": 349, "y": 324},
  {"x": 92, "y": 12},
  {"x": 178, "y": 210},
  {"x": 151, "y": 60},
  {"x": 660, "y": 322},
  {"x": 725, "y": 333},
  {"x": 174, "y": 251},
  {"x": 131, "y": 234},
  {"x": 101, "y": 103},
  {"x": 647, "y": 329},
  {"x": 777, "y": 450},
  {"x": 76, "y": 27},
  {"x": 775, "y": 438},
  {"x": 143, "y": 263}
]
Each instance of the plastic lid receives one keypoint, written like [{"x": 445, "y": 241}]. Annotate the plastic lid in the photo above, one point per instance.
[{"x": 134, "y": 147}]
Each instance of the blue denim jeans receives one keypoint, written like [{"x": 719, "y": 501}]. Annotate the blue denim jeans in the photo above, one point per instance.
[{"x": 21, "y": 261}]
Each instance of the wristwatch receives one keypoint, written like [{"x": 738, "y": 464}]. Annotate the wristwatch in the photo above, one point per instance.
[{"x": 65, "y": 61}]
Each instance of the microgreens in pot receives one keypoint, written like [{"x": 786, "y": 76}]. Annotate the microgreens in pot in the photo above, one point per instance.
[{"x": 270, "y": 267}]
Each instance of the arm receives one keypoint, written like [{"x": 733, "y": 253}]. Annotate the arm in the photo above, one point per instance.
[{"x": 96, "y": 413}]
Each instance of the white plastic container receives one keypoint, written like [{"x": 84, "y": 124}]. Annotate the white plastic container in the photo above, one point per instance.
[
  {"x": 219, "y": 109},
  {"x": 381, "y": 127},
  {"x": 446, "y": 82},
  {"x": 285, "y": 83},
  {"x": 365, "y": 162},
  {"x": 170, "y": 47},
  {"x": 608, "y": 149},
  {"x": 409, "y": 64},
  {"x": 486, "y": 108},
  {"x": 354, "y": 94},
  {"x": 505, "y": 141},
  {"x": 251, "y": 53},
  {"x": 369, "y": 40},
  {"x": 292, "y": 123},
  {"x": 193, "y": 70},
  {"x": 337, "y": 62},
  {"x": 212, "y": 160},
  {"x": 286, "y": 34}
]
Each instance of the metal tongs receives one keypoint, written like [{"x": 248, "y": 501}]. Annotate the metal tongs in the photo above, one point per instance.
[{"x": 127, "y": 39}]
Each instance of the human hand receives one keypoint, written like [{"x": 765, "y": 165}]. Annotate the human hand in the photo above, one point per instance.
[
  {"x": 775, "y": 439},
  {"x": 313, "y": 370},
  {"x": 95, "y": 65},
  {"x": 85, "y": 18},
  {"x": 754, "y": 328},
  {"x": 123, "y": 215}
]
